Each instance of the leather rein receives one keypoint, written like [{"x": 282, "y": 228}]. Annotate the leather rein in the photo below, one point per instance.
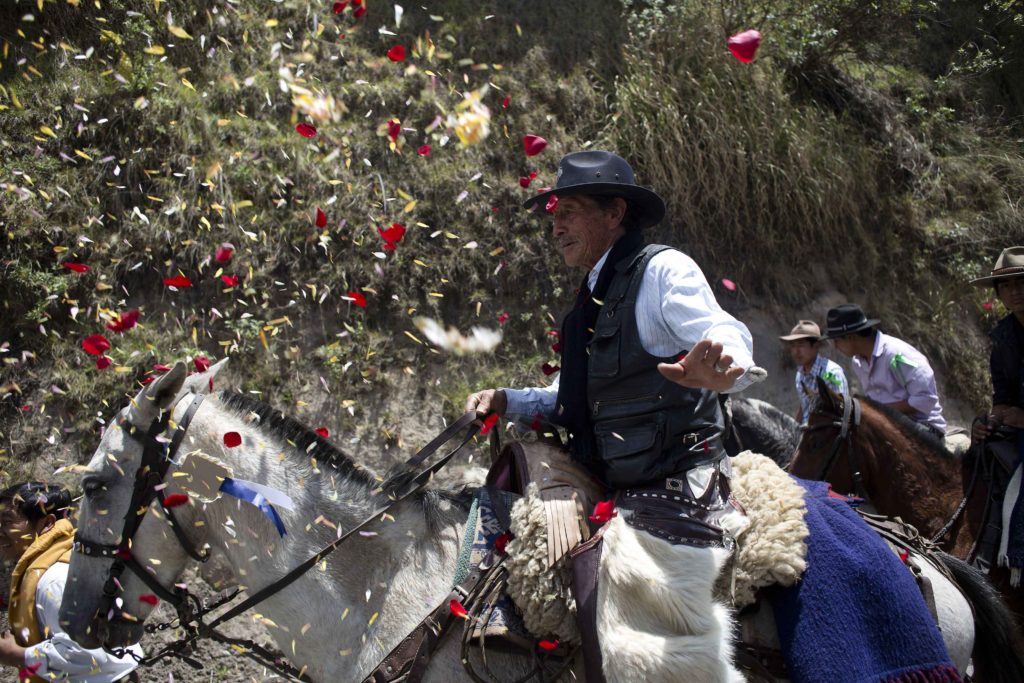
[
  {"x": 847, "y": 423},
  {"x": 157, "y": 456}
]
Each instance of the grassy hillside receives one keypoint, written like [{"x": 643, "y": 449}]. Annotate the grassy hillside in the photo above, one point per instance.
[{"x": 876, "y": 155}]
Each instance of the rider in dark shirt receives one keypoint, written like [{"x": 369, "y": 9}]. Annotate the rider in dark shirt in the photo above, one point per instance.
[{"x": 1007, "y": 359}]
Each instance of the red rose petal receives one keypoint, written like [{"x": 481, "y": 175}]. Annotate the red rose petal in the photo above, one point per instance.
[
  {"x": 149, "y": 599},
  {"x": 232, "y": 439},
  {"x": 502, "y": 318},
  {"x": 534, "y": 145},
  {"x": 321, "y": 218},
  {"x": 123, "y": 554},
  {"x": 103, "y": 362},
  {"x": 743, "y": 46},
  {"x": 95, "y": 344},
  {"x": 26, "y": 673},
  {"x": 552, "y": 204},
  {"x": 524, "y": 182},
  {"x": 548, "y": 645},
  {"x": 359, "y": 11},
  {"x": 179, "y": 281},
  {"x": 549, "y": 369},
  {"x": 202, "y": 363},
  {"x": 77, "y": 267},
  {"x": 729, "y": 284},
  {"x": 124, "y": 322},
  {"x": 339, "y": 7},
  {"x": 394, "y": 129},
  {"x": 535, "y": 425},
  {"x": 160, "y": 367},
  {"x": 392, "y": 235},
  {"x": 229, "y": 280},
  {"x": 987, "y": 306},
  {"x": 603, "y": 512},
  {"x": 456, "y": 608},
  {"x": 306, "y": 130},
  {"x": 397, "y": 53},
  {"x": 224, "y": 252},
  {"x": 489, "y": 422},
  {"x": 322, "y": 431},
  {"x": 501, "y": 541},
  {"x": 173, "y": 500},
  {"x": 424, "y": 150},
  {"x": 357, "y": 299},
  {"x": 505, "y": 102}
]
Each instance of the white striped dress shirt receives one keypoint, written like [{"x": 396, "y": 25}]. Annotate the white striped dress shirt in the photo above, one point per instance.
[{"x": 675, "y": 309}]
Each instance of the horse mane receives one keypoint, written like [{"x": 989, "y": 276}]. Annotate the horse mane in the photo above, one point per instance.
[
  {"x": 307, "y": 441},
  {"x": 776, "y": 433},
  {"x": 290, "y": 430},
  {"x": 911, "y": 429}
]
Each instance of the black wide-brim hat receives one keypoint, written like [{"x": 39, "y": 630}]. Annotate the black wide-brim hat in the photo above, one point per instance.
[
  {"x": 607, "y": 174},
  {"x": 846, "y": 319}
]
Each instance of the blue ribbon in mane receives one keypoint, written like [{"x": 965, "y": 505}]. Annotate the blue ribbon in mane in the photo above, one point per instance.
[{"x": 242, "y": 491}]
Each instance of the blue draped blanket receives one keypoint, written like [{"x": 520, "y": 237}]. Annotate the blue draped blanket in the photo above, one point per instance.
[{"x": 857, "y": 614}]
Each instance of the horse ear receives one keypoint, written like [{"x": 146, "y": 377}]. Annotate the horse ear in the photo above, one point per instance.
[
  {"x": 158, "y": 395},
  {"x": 202, "y": 382},
  {"x": 828, "y": 398}
]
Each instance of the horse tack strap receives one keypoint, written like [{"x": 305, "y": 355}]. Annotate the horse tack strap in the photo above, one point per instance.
[{"x": 408, "y": 660}]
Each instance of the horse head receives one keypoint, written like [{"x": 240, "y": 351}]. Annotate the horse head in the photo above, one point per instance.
[
  {"x": 124, "y": 553},
  {"x": 829, "y": 425}
]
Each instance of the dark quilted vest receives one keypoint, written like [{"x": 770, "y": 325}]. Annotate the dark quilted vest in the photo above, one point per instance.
[{"x": 646, "y": 427}]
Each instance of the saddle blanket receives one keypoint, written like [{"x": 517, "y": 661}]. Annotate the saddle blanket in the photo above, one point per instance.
[{"x": 857, "y": 614}]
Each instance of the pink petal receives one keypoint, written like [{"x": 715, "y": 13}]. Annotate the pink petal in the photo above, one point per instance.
[
  {"x": 743, "y": 46},
  {"x": 729, "y": 284}
]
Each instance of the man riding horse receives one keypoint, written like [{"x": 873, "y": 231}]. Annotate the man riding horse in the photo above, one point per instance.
[
  {"x": 1007, "y": 416},
  {"x": 645, "y": 350},
  {"x": 890, "y": 370}
]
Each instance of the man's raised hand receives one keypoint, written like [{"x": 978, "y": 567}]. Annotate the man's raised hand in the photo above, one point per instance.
[{"x": 704, "y": 367}]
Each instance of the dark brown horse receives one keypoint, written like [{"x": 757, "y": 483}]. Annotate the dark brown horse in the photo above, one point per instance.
[{"x": 869, "y": 450}]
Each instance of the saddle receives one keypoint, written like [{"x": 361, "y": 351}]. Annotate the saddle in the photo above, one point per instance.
[{"x": 997, "y": 461}]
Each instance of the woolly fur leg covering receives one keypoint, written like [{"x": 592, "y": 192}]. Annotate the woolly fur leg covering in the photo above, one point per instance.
[{"x": 656, "y": 617}]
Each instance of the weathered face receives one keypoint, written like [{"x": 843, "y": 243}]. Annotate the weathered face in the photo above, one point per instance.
[
  {"x": 803, "y": 351},
  {"x": 1011, "y": 293},
  {"x": 584, "y": 231},
  {"x": 108, "y": 485}
]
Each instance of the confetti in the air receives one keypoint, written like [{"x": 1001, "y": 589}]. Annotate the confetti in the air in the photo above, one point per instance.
[
  {"x": 397, "y": 53},
  {"x": 95, "y": 344},
  {"x": 534, "y": 145},
  {"x": 306, "y": 130}
]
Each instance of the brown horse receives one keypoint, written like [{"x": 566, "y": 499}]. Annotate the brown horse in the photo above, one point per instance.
[{"x": 903, "y": 470}]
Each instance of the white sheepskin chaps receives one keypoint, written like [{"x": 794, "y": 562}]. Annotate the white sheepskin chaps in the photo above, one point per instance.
[{"x": 656, "y": 618}]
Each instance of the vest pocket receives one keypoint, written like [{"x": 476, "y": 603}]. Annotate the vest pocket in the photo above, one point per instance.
[
  {"x": 629, "y": 447},
  {"x": 604, "y": 352}
]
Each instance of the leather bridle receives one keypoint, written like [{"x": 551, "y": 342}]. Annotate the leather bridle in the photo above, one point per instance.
[
  {"x": 847, "y": 424},
  {"x": 157, "y": 456}
]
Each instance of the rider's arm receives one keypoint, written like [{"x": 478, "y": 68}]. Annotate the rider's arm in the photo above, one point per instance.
[
  {"x": 674, "y": 285},
  {"x": 525, "y": 404},
  {"x": 59, "y": 656},
  {"x": 923, "y": 395}
]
